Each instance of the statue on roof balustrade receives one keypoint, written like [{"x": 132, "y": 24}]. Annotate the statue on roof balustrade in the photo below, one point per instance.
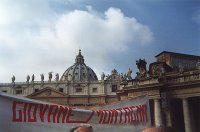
[
  {"x": 141, "y": 65},
  {"x": 57, "y": 77},
  {"x": 33, "y": 78},
  {"x": 42, "y": 77},
  {"x": 50, "y": 76},
  {"x": 27, "y": 78},
  {"x": 13, "y": 79},
  {"x": 129, "y": 77},
  {"x": 102, "y": 76}
]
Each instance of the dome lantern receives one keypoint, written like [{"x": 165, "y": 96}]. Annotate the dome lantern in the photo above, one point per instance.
[{"x": 79, "y": 58}]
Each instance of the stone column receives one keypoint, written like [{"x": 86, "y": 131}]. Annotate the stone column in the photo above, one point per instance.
[
  {"x": 157, "y": 113},
  {"x": 103, "y": 87},
  {"x": 186, "y": 114},
  {"x": 168, "y": 118},
  {"x": 29, "y": 90}
]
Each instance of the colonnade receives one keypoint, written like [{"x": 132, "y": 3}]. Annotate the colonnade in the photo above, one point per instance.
[{"x": 158, "y": 115}]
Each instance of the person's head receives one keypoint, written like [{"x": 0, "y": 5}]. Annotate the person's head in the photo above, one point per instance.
[
  {"x": 159, "y": 129},
  {"x": 82, "y": 129}
]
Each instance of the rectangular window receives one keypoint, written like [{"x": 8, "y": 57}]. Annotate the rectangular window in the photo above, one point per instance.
[
  {"x": 61, "y": 90},
  {"x": 114, "y": 88},
  {"x": 19, "y": 91},
  {"x": 78, "y": 90},
  {"x": 4, "y": 91},
  {"x": 94, "y": 90},
  {"x": 36, "y": 90}
]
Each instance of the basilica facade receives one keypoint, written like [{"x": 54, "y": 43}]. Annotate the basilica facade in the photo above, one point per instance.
[
  {"x": 78, "y": 86},
  {"x": 172, "y": 84}
]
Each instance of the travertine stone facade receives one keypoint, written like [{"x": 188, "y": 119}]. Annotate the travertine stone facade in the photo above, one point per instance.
[
  {"x": 77, "y": 86},
  {"x": 173, "y": 87},
  {"x": 172, "y": 84}
]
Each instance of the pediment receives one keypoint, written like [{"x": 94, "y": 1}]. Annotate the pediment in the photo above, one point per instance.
[{"x": 47, "y": 92}]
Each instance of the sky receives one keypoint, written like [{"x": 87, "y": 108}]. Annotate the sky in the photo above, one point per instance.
[{"x": 42, "y": 36}]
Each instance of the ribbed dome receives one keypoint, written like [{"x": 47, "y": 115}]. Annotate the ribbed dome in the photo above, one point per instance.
[{"x": 79, "y": 71}]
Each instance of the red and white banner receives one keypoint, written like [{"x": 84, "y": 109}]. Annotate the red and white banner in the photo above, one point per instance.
[{"x": 18, "y": 114}]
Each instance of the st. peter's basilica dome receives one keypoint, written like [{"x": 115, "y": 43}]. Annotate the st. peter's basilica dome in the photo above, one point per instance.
[{"x": 79, "y": 71}]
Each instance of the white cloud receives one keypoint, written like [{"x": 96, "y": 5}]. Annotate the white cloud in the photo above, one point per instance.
[{"x": 36, "y": 39}]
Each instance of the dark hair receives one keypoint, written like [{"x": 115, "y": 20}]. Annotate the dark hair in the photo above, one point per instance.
[{"x": 84, "y": 126}]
